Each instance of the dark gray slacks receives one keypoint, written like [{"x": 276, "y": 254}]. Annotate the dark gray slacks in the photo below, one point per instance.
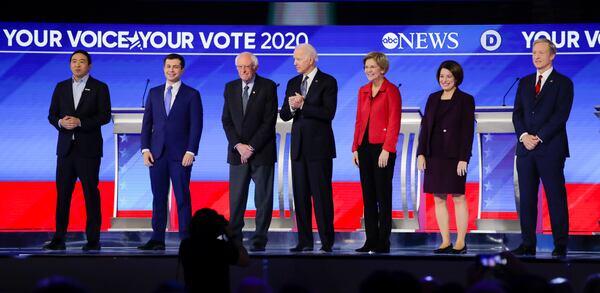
[{"x": 239, "y": 183}]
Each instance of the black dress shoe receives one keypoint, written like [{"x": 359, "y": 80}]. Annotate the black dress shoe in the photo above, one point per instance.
[
  {"x": 559, "y": 251},
  {"x": 55, "y": 245},
  {"x": 382, "y": 250},
  {"x": 523, "y": 250},
  {"x": 91, "y": 246},
  {"x": 447, "y": 249},
  {"x": 152, "y": 245},
  {"x": 255, "y": 248},
  {"x": 365, "y": 248},
  {"x": 300, "y": 248},
  {"x": 326, "y": 249},
  {"x": 460, "y": 251}
]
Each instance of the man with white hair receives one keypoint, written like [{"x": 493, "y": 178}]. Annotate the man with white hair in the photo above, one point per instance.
[
  {"x": 249, "y": 117},
  {"x": 311, "y": 101}
]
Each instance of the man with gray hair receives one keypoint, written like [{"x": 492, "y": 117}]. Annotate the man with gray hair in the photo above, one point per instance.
[
  {"x": 311, "y": 101},
  {"x": 249, "y": 117},
  {"x": 542, "y": 107}
]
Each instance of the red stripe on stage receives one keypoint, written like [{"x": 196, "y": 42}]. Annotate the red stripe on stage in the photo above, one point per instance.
[
  {"x": 134, "y": 214},
  {"x": 499, "y": 215},
  {"x": 29, "y": 206}
]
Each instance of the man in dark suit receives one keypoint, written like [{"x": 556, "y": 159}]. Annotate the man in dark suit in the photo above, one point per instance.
[
  {"x": 249, "y": 117},
  {"x": 80, "y": 106},
  {"x": 542, "y": 107},
  {"x": 171, "y": 131},
  {"x": 311, "y": 101}
]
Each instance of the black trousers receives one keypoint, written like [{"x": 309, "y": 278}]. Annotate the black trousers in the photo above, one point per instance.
[
  {"x": 549, "y": 169},
  {"x": 68, "y": 168},
  {"x": 376, "y": 186},
  {"x": 239, "y": 182},
  {"x": 312, "y": 180}
]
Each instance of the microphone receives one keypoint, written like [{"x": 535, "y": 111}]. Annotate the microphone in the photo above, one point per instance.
[
  {"x": 399, "y": 84},
  {"x": 277, "y": 85},
  {"x": 145, "y": 88},
  {"x": 510, "y": 88}
]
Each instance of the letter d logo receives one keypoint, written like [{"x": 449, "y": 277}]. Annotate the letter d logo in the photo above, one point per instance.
[{"x": 491, "y": 40}]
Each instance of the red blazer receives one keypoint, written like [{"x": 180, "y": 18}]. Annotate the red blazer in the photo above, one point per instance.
[{"x": 382, "y": 113}]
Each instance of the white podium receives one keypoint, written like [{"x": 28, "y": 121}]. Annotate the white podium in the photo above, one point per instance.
[
  {"x": 133, "y": 196},
  {"x": 498, "y": 184},
  {"x": 410, "y": 179}
]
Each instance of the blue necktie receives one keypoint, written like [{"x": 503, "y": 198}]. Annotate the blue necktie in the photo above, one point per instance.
[{"x": 168, "y": 97}]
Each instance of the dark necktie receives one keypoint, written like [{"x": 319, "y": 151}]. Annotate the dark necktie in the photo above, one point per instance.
[
  {"x": 168, "y": 97},
  {"x": 303, "y": 86},
  {"x": 245, "y": 98},
  {"x": 538, "y": 85}
]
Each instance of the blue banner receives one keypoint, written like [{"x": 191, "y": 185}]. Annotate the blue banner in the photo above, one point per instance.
[{"x": 34, "y": 57}]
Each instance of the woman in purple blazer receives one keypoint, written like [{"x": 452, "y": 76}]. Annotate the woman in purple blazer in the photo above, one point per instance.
[{"x": 445, "y": 142}]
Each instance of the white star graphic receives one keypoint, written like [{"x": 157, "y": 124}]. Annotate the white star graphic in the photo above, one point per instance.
[
  {"x": 487, "y": 153},
  {"x": 123, "y": 138},
  {"x": 487, "y": 137},
  {"x": 488, "y": 186},
  {"x": 488, "y": 169},
  {"x": 487, "y": 202},
  {"x": 121, "y": 152}
]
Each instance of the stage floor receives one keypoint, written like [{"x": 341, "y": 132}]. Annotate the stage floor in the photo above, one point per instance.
[
  {"x": 121, "y": 267},
  {"x": 402, "y": 244}
]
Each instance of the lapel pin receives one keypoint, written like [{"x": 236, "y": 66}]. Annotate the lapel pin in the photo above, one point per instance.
[{"x": 87, "y": 90}]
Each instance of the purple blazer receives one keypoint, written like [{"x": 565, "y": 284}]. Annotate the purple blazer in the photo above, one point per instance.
[{"x": 458, "y": 125}]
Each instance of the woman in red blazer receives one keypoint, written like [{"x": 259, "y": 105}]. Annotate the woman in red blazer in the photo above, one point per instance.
[
  {"x": 374, "y": 149},
  {"x": 444, "y": 150}
]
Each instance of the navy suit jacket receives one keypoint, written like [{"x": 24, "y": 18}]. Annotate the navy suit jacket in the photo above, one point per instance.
[
  {"x": 257, "y": 126},
  {"x": 178, "y": 132},
  {"x": 93, "y": 111},
  {"x": 458, "y": 121},
  {"x": 544, "y": 115},
  {"x": 312, "y": 135}
]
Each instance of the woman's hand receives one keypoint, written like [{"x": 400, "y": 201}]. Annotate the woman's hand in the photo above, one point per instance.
[
  {"x": 461, "y": 169},
  {"x": 383, "y": 158},
  {"x": 421, "y": 163},
  {"x": 355, "y": 158}
]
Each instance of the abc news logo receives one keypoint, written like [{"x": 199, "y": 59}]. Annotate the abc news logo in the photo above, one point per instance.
[
  {"x": 390, "y": 41},
  {"x": 490, "y": 41}
]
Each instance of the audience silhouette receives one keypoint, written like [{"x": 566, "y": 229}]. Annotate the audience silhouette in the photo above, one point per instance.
[
  {"x": 206, "y": 255},
  {"x": 58, "y": 284}
]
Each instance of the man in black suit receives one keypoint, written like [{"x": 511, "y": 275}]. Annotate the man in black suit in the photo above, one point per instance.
[
  {"x": 542, "y": 107},
  {"x": 311, "y": 101},
  {"x": 249, "y": 117},
  {"x": 80, "y": 106}
]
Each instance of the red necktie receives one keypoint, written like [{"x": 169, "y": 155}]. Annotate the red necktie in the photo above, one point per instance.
[{"x": 538, "y": 85}]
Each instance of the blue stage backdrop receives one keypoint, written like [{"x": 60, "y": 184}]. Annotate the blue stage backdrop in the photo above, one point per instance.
[{"x": 35, "y": 56}]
